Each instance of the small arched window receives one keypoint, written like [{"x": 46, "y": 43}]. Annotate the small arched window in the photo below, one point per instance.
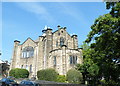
[
  {"x": 28, "y": 52},
  {"x": 30, "y": 68},
  {"x": 54, "y": 61},
  {"x": 21, "y": 66},
  {"x": 26, "y": 67},
  {"x": 56, "y": 43},
  {"x": 61, "y": 41}
]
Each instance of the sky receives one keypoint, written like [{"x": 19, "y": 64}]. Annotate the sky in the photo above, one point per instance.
[{"x": 21, "y": 20}]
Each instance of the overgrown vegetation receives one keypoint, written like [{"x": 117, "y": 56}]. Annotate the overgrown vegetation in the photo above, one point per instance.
[{"x": 19, "y": 73}]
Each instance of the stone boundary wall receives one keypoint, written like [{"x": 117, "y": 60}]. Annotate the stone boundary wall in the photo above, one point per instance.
[{"x": 61, "y": 85}]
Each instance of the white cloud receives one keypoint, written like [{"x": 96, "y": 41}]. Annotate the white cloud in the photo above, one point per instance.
[
  {"x": 33, "y": 7},
  {"x": 74, "y": 12},
  {"x": 40, "y": 11}
]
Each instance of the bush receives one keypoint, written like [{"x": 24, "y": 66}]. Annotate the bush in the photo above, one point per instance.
[
  {"x": 61, "y": 78},
  {"x": 47, "y": 74},
  {"x": 19, "y": 73},
  {"x": 74, "y": 76}
]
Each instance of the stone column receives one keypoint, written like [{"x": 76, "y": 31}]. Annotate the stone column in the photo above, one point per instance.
[
  {"x": 40, "y": 59},
  {"x": 64, "y": 65},
  {"x": 48, "y": 44}
]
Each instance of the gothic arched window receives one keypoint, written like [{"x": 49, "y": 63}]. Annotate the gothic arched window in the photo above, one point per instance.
[
  {"x": 61, "y": 41},
  {"x": 28, "y": 52},
  {"x": 21, "y": 66}
]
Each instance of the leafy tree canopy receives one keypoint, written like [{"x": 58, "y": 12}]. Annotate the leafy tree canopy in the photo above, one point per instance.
[
  {"x": 106, "y": 36},
  {"x": 102, "y": 57}
]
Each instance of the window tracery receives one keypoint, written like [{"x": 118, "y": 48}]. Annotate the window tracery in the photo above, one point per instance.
[{"x": 27, "y": 52}]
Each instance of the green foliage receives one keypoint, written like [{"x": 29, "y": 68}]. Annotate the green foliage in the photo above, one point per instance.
[
  {"x": 89, "y": 69},
  {"x": 85, "y": 46},
  {"x": 19, "y": 73},
  {"x": 4, "y": 67},
  {"x": 47, "y": 74},
  {"x": 61, "y": 78},
  {"x": 105, "y": 51},
  {"x": 74, "y": 76},
  {"x": 114, "y": 7}
]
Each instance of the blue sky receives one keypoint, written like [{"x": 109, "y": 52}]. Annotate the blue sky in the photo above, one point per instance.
[{"x": 27, "y": 19}]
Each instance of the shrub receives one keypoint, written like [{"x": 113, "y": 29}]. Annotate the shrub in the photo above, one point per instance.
[
  {"x": 47, "y": 74},
  {"x": 61, "y": 78},
  {"x": 19, "y": 73},
  {"x": 74, "y": 76}
]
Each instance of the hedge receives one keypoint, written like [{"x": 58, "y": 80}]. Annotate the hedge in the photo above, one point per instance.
[
  {"x": 19, "y": 73},
  {"x": 61, "y": 78},
  {"x": 47, "y": 74},
  {"x": 74, "y": 76}
]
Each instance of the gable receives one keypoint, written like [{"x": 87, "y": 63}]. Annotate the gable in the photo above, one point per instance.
[
  {"x": 61, "y": 33},
  {"x": 29, "y": 42}
]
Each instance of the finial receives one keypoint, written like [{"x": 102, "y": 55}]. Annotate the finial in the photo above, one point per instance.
[
  {"x": 17, "y": 41},
  {"x": 58, "y": 26},
  {"x": 45, "y": 28},
  {"x": 65, "y": 27}
]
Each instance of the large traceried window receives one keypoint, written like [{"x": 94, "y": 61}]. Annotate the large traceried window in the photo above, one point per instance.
[
  {"x": 28, "y": 52},
  {"x": 61, "y": 41},
  {"x": 73, "y": 59}
]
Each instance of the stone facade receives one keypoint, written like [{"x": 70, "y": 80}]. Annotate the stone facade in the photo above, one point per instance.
[{"x": 56, "y": 50}]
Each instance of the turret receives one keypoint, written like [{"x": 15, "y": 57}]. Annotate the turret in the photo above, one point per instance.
[
  {"x": 14, "y": 57},
  {"x": 16, "y": 42},
  {"x": 75, "y": 41},
  {"x": 49, "y": 39},
  {"x": 47, "y": 43}
]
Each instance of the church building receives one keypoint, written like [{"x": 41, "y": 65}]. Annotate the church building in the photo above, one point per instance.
[{"x": 58, "y": 50}]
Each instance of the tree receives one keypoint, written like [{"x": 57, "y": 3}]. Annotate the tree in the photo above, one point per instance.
[
  {"x": 4, "y": 68},
  {"x": 47, "y": 74},
  {"x": 106, "y": 35},
  {"x": 74, "y": 76},
  {"x": 19, "y": 73},
  {"x": 89, "y": 68}
]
